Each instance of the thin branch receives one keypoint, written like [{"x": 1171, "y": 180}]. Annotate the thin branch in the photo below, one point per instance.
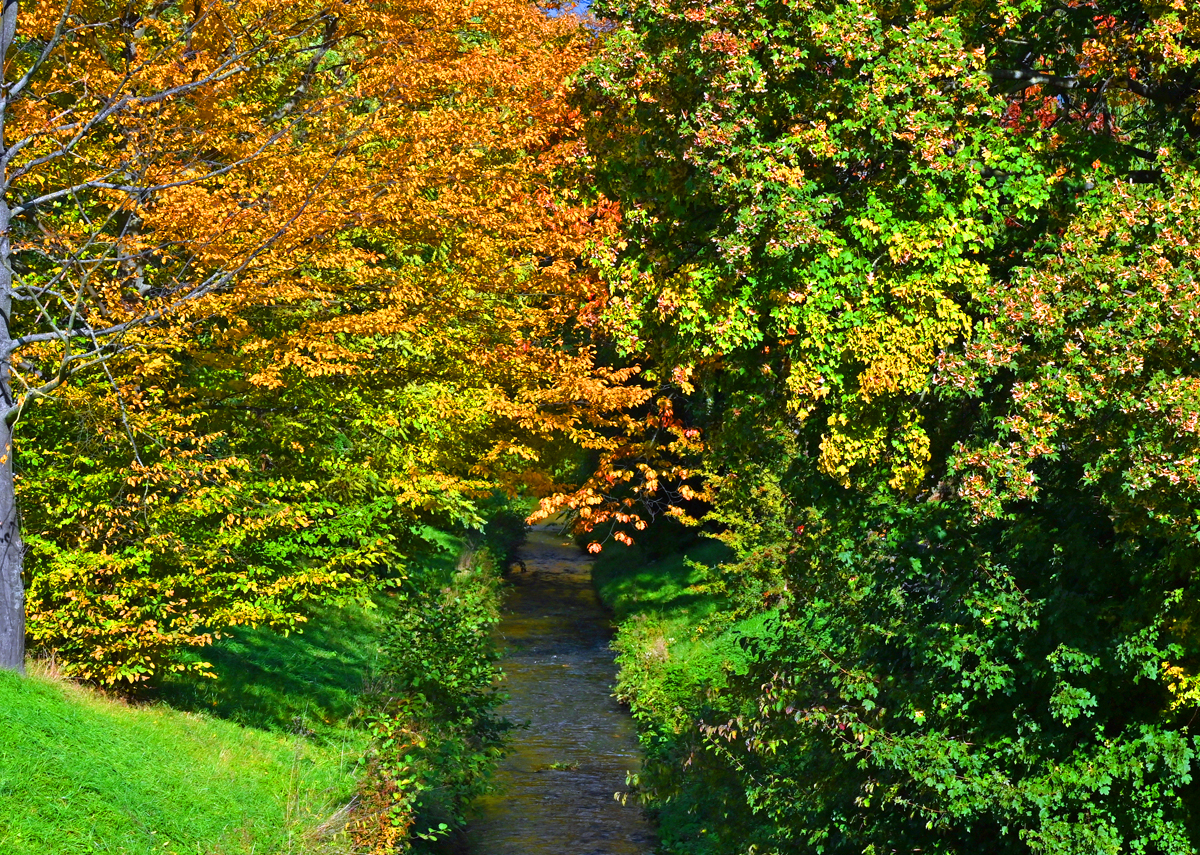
[
  {"x": 29, "y": 204},
  {"x": 121, "y": 405},
  {"x": 15, "y": 90},
  {"x": 1028, "y": 78}
]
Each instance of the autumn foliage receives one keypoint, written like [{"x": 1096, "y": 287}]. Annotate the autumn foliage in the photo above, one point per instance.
[
  {"x": 347, "y": 244},
  {"x": 924, "y": 276},
  {"x": 899, "y": 301}
]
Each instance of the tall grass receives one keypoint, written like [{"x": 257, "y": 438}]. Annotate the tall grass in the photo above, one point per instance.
[{"x": 678, "y": 642}]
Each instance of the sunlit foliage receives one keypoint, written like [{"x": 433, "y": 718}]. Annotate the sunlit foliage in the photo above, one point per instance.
[{"x": 931, "y": 271}]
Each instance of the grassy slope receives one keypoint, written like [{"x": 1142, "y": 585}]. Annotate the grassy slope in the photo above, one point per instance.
[
  {"x": 83, "y": 774},
  {"x": 255, "y": 762},
  {"x": 308, "y": 682},
  {"x": 311, "y": 681},
  {"x": 676, "y": 647},
  {"x": 251, "y": 762},
  {"x": 674, "y": 637},
  {"x": 258, "y": 761}
]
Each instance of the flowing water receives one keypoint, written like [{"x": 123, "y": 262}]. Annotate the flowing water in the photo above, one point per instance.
[{"x": 555, "y": 790}]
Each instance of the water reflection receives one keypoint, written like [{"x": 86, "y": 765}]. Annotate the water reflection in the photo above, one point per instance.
[{"x": 555, "y": 791}]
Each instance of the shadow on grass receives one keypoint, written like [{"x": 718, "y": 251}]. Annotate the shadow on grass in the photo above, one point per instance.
[
  {"x": 306, "y": 682},
  {"x": 631, "y": 583}
]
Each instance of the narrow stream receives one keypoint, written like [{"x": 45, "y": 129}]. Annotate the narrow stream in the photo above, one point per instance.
[{"x": 555, "y": 790}]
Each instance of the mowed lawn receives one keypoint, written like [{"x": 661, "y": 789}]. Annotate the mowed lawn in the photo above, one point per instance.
[{"x": 81, "y": 773}]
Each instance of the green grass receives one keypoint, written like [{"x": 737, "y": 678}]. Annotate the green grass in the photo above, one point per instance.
[
  {"x": 80, "y": 773},
  {"x": 307, "y": 682},
  {"x": 676, "y": 639},
  {"x": 666, "y": 612},
  {"x": 248, "y": 763},
  {"x": 669, "y": 648},
  {"x": 261, "y": 760},
  {"x": 630, "y": 583},
  {"x": 679, "y": 643}
]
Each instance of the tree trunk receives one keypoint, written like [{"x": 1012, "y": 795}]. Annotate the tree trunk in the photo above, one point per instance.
[
  {"x": 12, "y": 552},
  {"x": 12, "y": 549}
]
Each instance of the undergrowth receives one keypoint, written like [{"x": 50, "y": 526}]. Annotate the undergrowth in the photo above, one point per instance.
[
  {"x": 432, "y": 711},
  {"x": 679, "y": 637},
  {"x": 369, "y": 730}
]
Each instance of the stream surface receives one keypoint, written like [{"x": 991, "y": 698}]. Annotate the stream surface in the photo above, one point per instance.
[{"x": 554, "y": 793}]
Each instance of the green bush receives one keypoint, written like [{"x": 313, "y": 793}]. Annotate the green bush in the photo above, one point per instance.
[
  {"x": 681, "y": 638},
  {"x": 437, "y": 737},
  {"x": 505, "y": 533}
]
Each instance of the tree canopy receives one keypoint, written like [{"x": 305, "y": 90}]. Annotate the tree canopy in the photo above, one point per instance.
[
  {"x": 292, "y": 285},
  {"x": 897, "y": 299},
  {"x": 925, "y": 274}
]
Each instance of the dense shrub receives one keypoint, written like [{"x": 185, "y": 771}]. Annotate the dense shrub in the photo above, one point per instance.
[
  {"x": 926, "y": 278},
  {"x": 433, "y": 712}
]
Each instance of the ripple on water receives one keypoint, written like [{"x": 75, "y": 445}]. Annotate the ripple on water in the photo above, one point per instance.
[{"x": 555, "y": 790}]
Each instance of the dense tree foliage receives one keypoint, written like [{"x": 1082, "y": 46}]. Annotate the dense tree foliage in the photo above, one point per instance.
[
  {"x": 898, "y": 299},
  {"x": 927, "y": 276},
  {"x": 293, "y": 285}
]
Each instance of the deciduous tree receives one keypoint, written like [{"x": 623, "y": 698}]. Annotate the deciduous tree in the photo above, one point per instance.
[
  {"x": 117, "y": 119},
  {"x": 384, "y": 206},
  {"x": 930, "y": 268}
]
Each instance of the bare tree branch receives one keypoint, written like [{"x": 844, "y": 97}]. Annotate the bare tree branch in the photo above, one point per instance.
[
  {"x": 15, "y": 90},
  {"x": 30, "y": 204}
]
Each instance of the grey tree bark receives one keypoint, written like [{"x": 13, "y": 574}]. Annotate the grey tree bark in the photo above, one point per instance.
[{"x": 12, "y": 586}]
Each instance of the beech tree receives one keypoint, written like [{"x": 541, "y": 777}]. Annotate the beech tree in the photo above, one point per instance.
[
  {"x": 146, "y": 148},
  {"x": 386, "y": 209}
]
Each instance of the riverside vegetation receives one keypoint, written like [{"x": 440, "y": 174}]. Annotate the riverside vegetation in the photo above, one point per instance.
[
  {"x": 925, "y": 279},
  {"x": 370, "y": 731},
  {"x": 291, "y": 309},
  {"x": 871, "y": 326}
]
